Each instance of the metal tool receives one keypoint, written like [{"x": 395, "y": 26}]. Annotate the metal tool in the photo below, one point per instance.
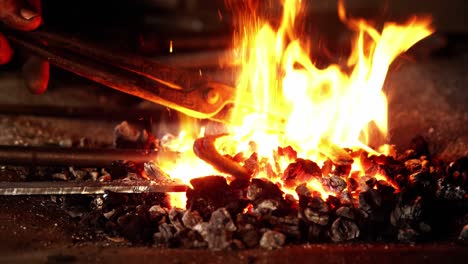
[
  {"x": 88, "y": 187},
  {"x": 185, "y": 92},
  {"x": 81, "y": 157}
]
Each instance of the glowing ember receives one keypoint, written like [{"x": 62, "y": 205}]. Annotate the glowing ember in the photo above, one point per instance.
[{"x": 299, "y": 105}]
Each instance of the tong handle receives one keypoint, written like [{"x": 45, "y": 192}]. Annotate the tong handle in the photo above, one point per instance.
[{"x": 196, "y": 97}]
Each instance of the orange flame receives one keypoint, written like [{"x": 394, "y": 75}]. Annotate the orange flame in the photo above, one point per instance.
[{"x": 294, "y": 103}]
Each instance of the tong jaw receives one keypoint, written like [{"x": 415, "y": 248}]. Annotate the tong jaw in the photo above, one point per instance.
[{"x": 189, "y": 93}]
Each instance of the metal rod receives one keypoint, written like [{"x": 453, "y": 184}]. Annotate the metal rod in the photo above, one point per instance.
[
  {"x": 41, "y": 156},
  {"x": 88, "y": 187},
  {"x": 205, "y": 149},
  {"x": 194, "y": 96},
  {"x": 90, "y": 113}
]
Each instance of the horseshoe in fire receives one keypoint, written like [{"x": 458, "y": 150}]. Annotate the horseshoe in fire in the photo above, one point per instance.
[{"x": 205, "y": 149}]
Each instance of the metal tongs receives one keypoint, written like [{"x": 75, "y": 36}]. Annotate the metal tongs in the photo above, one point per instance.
[{"x": 191, "y": 94}]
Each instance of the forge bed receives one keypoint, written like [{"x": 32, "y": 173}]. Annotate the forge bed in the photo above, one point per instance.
[
  {"x": 35, "y": 230},
  {"x": 427, "y": 98}
]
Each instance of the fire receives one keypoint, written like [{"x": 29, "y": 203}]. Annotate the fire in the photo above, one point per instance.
[{"x": 297, "y": 104}]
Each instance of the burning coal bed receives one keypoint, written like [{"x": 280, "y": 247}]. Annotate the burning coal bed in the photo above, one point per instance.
[{"x": 423, "y": 200}]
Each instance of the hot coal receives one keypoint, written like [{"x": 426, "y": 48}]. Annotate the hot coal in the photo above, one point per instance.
[
  {"x": 213, "y": 192},
  {"x": 425, "y": 199},
  {"x": 300, "y": 171},
  {"x": 272, "y": 240},
  {"x": 344, "y": 229}
]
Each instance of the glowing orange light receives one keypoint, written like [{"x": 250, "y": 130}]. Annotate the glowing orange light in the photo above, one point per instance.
[{"x": 295, "y": 103}]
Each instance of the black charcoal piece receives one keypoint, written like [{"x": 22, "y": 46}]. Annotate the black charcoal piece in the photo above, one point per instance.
[
  {"x": 333, "y": 202},
  {"x": 221, "y": 219},
  {"x": 345, "y": 197},
  {"x": 113, "y": 200},
  {"x": 352, "y": 184},
  {"x": 314, "y": 232},
  {"x": 210, "y": 193},
  {"x": 217, "y": 239},
  {"x": 346, "y": 212},
  {"x": 413, "y": 165},
  {"x": 344, "y": 229},
  {"x": 366, "y": 182},
  {"x": 407, "y": 235},
  {"x": 450, "y": 192},
  {"x": 303, "y": 190},
  {"x": 249, "y": 235},
  {"x": 175, "y": 217},
  {"x": 218, "y": 231},
  {"x": 190, "y": 239},
  {"x": 272, "y": 240},
  {"x": 424, "y": 228},
  {"x": 266, "y": 207},
  {"x": 317, "y": 204},
  {"x": 158, "y": 214},
  {"x": 110, "y": 214},
  {"x": 165, "y": 236},
  {"x": 135, "y": 228},
  {"x": 316, "y": 217},
  {"x": 370, "y": 201},
  {"x": 288, "y": 225},
  {"x": 342, "y": 170},
  {"x": 371, "y": 182},
  {"x": 420, "y": 178},
  {"x": 191, "y": 219},
  {"x": 385, "y": 188},
  {"x": 464, "y": 233},
  {"x": 406, "y": 213},
  {"x": 300, "y": 171},
  {"x": 337, "y": 184},
  {"x": 261, "y": 189}
]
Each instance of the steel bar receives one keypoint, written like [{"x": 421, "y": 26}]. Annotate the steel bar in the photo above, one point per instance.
[
  {"x": 88, "y": 187},
  {"x": 41, "y": 156}
]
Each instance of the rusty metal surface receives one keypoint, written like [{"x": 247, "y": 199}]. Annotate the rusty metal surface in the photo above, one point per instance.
[
  {"x": 81, "y": 157},
  {"x": 190, "y": 94},
  {"x": 205, "y": 149}
]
